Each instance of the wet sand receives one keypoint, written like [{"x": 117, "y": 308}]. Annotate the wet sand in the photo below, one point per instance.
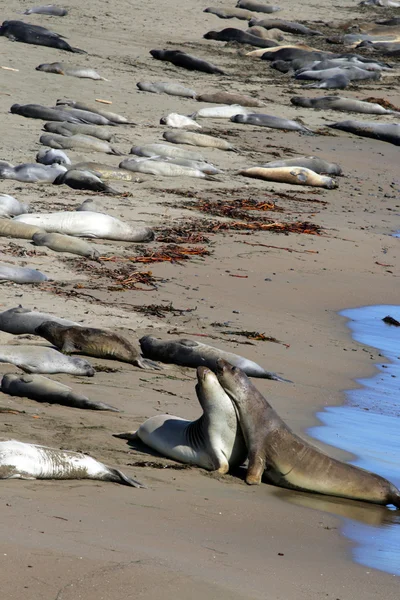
[{"x": 192, "y": 533}]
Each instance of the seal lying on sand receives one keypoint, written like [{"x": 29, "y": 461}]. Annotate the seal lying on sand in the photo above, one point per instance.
[
  {"x": 22, "y": 231},
  {"x": 230, "y": 13},
  {"x": 11, "y": 207},
  {"x": 20, "y": 320},
  {"x": 229, "y": 98},
  {"x": 162, "y": 168},
  {"x": 186, "y": 61},
  {"x": 78, "y": 179},
  {"x": 189, "y": 353},
  {"x": 65, "y": 243},
  {"x": 18, "y": 31},
  {"x": 293, "y": 175},
  {"x": 342, "y": 104},
  {"x": 179, "y": 121},
  {"x": 92, "y": 108},
  {"x": 166, "y": 151},
  {"x": 257, "y": 6},
  {"x": 230, "y": 34},
  {"x": 30, "y": 461},
  {"x": 386, "y": 132},
  {"x": 87, "y": 224},
  {"x": 63, "y": 69},
  {"x": 93, "y": 342},
  {"x": 49, "y": 156},
  {"x": 213, "y": 442},
  {"x": 77, "y": 140},
  {"x": 39, "y": 359},
  {"x": 289, "y": 461},
  {"x": 168, "y": 87},
  {"x": 107, "y": 172},
  {"x": 68, "y": 129},
  {"x": 48, "y": 9},
  {"x": 21, "y": 274},
  {"x": 225, "y": 111},
  {"x": 270, "y": 121},
  {"x": 197, "y": 139},
  {"x": 37, "y": 111},
  {"x": 318, "y": 165},
  {"x": 43, "y": 389},
  {"x": 286, "y": 26},
  {"x": 33, "y": 172}
]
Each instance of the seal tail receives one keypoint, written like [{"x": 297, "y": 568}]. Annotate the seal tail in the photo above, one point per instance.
[
  {"x": 129, "y": 435},
  {"x": 394, "y": 496},
  {"x": 145, "y": 363},
  {"x": 119, "y": 477},
  {"x": 78, "y": 50},
  {"x": 275, "y": 377},
  {"x": 115, "y": 152}
]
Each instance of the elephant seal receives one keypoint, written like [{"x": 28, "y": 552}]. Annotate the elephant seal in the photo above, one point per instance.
[
  {"x": 262, "y": 120},
  {"x": 230, "y": 13},
  {"x": 257, "y": 6},
  {"x": 92, "y": 108},
  {"x": 186, "y": 61},
  {"x": 68, "y": 129},
  {"x": 230, "y": 34},
  {"x": 30, "y": 461},
  {"x": 65, "y": 243},
  {"x": 214, "y": 441},
  {"x": 21, "y": 274},
  {"x": 87, "y": 224},
  {"x": 48, "y": 9},
  {"x": 266, "y": 34},
  {"x": 318, "y": 165},
  {"x": 77, "y": 140},
  {"x": 10, "y": 206},
  {"x": 162, "y": 168},
  {"x": 107, "y": 172},
  {"x": 386, "y": 132},
  {"x": 40, "y": 359},
  {"x": 220, "y": 112},
  {"x": 78, "y": 115},
  {"x": 89, "y": 205},
  {"x": 43, "y": 389},
  {"x": 289, "y": 461},
  {"x": 342, "y": 104},
  {"x": 20, "y": 320},
  {"x": 206, "y": 167},
  {"x": 337, "y": 82},
  {"x": 63, "y": 69},
  {"x": 18, "y": 31},
  {"x": 189, "y": 353},
  {"x": 37, "y": 111},
  {"x": 169, "y": 87},
  {"x": 92, "y": 342},
  {"x": 166, "y": 151},
  {"x": 22, "y": 231},
  {"x": 352, "y": 74},
  {"x": 286, "y": 26},
  {"x": 197, "y": 139},
  {"x": 83, "y": 180},
  {"x": 49, "y": 156},
  {"x": 33, "y": 172},
  {"x": 179, "y": 122},
  {"x": 230, "y": 98},
  {"x": 293, "y": 175}
]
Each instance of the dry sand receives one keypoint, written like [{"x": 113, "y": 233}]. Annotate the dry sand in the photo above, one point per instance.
[{"x": 192, "y": 534}]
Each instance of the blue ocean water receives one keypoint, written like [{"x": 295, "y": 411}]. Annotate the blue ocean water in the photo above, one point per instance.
[{"x": 368, "y": 426}]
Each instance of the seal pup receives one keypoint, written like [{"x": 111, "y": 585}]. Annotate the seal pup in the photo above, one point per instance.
[
  {"x": 37, "y": 111},
  {"x": 48, "y": 9},
  {"x": 385, "y": 132},
  {"x": 40, "y": 359},
  {"x": 48, "y": 156},
  {"x": 337, "y": 82},
  {"x": 230, "y": 34},
  {"x": 229, "y": 98},
  {"x": 78, "y": 115},
  {"x": 214, "y": 441},
  {"x": 92, "y": 108},
  {"x": 68, "y": 129},
  {"x": 318, "y": 165},
  {"x": 179, "y": 121},
  {"x": 33, "y": 172},
  {"x": 18, "y": 31},
  {"x": 87, "y": 224},
  {"x": 186, "y": 61},
  {"x": 342, "y": 104},
  {"x": 22, "y": 231},
  {"x": 352, "y": 74},
  {"x": 168, "y": 87},
  {"x": 89, "y": 205},
  {"x": 162, "y": 168},
  {"x": 289, "y": 461},
  {"x": 20, "y": 320},
  {"x": 230, "y": 13},
  {"x": 198, "y": 139},
  {"x": 63, "y": 69},
  {"x": 30, "y": 461},
  {"x": 21, "y": 274},
  {"x": 286, "y": 26},
  {"x": 65, "y": 243},
  {"x": 10, "y": 206},
  {"x": 93, "y": 342},
  {"x": 189, "y": 353},
  {"x": 106, "y": 171},
  {"x": 262, "y": 120},
  {"x": 166, "y": 151},
  {"x": 43, "y": 389},
  {"x": 83, "y": 180},
  {"x": 257, "y": 6},
  {"x": 293, "y": 175},
  {"x": 220, "y": 112},
  {"x": 77, "y": 140},
  {"x": 266, "y": 34}
]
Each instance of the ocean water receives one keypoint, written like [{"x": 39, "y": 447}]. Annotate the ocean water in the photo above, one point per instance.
[{"x": 368, "y": 426}]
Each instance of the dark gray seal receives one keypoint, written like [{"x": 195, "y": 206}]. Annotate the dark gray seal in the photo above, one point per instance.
[
  {"x": 287, "y": 26},
  {"x": 186, "y": 61},
  {"x": 262, "y": 120},
  {"x": 385, "y": 132},
  {"x": 230, "y": 34},
  {"x": 342, "y": 104},
  {"x": 318, "y": 165},
  {"x": 37, "y": 111},
  {"x": 287, "y": 460},
  {"x": 189, "y": 353},
  {"x": 18, "y": 31},
  {"x": 84, "y": 180}
]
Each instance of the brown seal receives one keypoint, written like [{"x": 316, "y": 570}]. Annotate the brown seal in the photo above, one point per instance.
[
  {"x": 289, "y": 461},
  {"x": 93, "y": 342}
]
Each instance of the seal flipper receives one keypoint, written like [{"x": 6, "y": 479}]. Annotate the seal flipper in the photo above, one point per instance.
[
  {"x": 119, "y": 477},
  {"x": 145, "y": 363},
  {"x": 256, "y": 468},
  {"x": 129, "y": 435}
]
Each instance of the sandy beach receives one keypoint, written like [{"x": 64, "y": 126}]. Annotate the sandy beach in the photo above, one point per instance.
[{"x": 192, "y": 533}]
